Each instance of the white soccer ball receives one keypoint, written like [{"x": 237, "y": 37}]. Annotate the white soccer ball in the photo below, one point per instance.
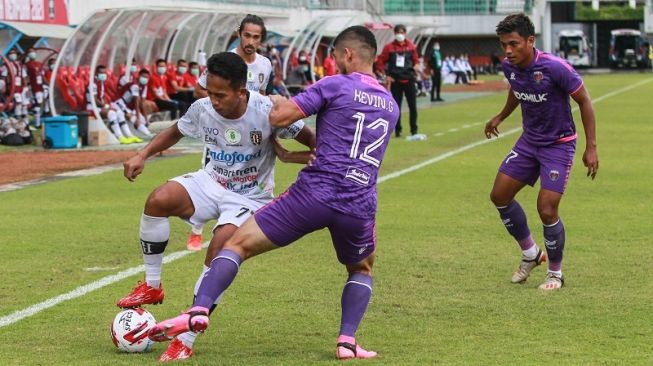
[{"x": 129, "y": 330}]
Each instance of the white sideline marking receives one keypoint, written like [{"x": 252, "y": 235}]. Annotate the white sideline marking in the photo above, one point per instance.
[
  {"x": 83, "y": 290},
  {"x": 108, "y": 280},
  {"x": 99, "y": 269}
]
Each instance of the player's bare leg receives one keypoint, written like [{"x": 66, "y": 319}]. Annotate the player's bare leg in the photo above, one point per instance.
[
  {"x": 554, "y": 237},
  {"x": 245, "y": 243},
  {"x": 170, "y": 199},
  {"x": 355, "y": 297},
  {"x": 514, "y": 219}
]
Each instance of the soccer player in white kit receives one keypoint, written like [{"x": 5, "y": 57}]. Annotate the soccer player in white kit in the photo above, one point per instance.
[
  {"x": 251, "y": 33},
  {"x": 237, "y": 180}
]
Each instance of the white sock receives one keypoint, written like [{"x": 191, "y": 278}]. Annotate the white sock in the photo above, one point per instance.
[
  {"x": 530, "y": 252},
  {"x": 197, "y": 229},
  {"x": 557, "y": 273},
  {"x": 116, "y": 129},
  {"x": 154, "y": 230},
  {"x": 143, "y": 129},
  {"x": 125, "y": 129},
  {"x": 188, "y": 338}
]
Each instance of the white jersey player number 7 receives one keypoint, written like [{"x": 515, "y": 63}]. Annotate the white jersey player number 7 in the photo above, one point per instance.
[{"x": 240, "y": 154}]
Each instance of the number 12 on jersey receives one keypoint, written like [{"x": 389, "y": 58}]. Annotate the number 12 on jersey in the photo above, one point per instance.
[{"x": 360, "y": 126}]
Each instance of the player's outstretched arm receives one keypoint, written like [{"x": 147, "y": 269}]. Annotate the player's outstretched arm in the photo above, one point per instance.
[
  {"x": 162, "y": 141},
  {"x": 284, "y": 112},
  {"x": 590, "y": 157},
  {"x": 492, "y": 127}
]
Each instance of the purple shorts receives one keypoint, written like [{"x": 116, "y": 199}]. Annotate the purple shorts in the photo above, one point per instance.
[
  {"x": 552, "y": 164},
  {"x": 296, "y": 213}
]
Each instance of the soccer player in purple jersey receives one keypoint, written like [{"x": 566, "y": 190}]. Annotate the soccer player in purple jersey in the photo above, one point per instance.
[
  {"x": 355, "y": 118},
  {"x": 541, "y": 84}
]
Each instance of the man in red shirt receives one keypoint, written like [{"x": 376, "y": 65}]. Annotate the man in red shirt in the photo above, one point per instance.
[
  {"x": 397, "y": 64},
  {"x": 176, "y": 85},
  {"x": 329, "y": 64},
  {"x": 157, "y": 91},
  {"x": 190, "y": 78}
]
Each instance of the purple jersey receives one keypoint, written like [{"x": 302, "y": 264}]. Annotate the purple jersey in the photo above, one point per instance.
[
  {"x": 355, "y": 119},
  {"x": 543, "y": 90}
]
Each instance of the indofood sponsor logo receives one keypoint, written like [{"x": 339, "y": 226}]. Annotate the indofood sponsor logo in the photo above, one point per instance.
[
  {"x": 535, "y": 98},
  {"x": 231, "y": 158}
]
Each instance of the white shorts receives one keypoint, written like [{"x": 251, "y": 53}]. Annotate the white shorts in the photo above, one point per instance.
[{"x": 212, "y": 201}]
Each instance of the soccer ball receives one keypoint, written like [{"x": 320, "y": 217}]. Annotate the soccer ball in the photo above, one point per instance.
[{"x": 129, "y": 330}]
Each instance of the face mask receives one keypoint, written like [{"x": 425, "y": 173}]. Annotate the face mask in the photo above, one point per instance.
[
  {"x": 305, "y": 68},
  {"x": 143, "y": 80},
  {"x": 13, "y": 57},
  {"x": 437, "y": 47},
  {"x": 182, "y": 70},
  {"x": 161, "y": 70},
  {"x": 102, "y": 77},
  {"x": 51, "y": 66},
  {"x": 133, "y": 68},
  {"x": 195, "y": 72},
  {"x": 32, "y": 55},
  {"x": 400, "y": 37}
]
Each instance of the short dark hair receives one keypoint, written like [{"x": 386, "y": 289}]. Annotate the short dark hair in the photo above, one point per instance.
[
  {"x": 400, "y": 27},
  {"x": 143, "y": 72},
  {"x": 99, "y": 67},
  {"x": 519, "y": 23},
  {"x": 192, "y": 64},
  {"x": 160, "y": 61},
  {"x": 253, "y": 19},
  {"x": 181, "y": 60},
  {"x": 229, "y": 66},
  {"x": 358, "y": 33}
]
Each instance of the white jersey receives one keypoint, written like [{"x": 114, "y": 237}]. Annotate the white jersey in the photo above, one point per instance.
[
  {"x": 239, "y": 151},
  {"x": 258, "y": 74}
]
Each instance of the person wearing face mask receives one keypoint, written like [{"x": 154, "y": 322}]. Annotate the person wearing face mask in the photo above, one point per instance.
[
  {"x": 36, "y": 76},
  {"x": 398, "y": 64},
  {"x": 435, "y": 62},
  {"x": 190, "y": 78},
  {"x": 133, "y": 102},
  {"x": 18, "y": 71},
  {"x": 128, "y": 78},
  {"x": 176, "y": 85},
  {"x": 107, "y": 110},
  {"x": 158, "y": 94}
]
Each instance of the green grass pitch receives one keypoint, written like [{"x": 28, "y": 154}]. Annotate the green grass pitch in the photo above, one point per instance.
[{"x": 442, "y": 278}]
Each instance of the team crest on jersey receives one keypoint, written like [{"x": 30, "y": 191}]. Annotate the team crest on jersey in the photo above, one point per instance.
[
  {"x": 538, "y": 76},
  {"x": 256, "y": 137},
  {"x": 250, "y": 75},
  {"x": 232, "y": 136},
  {"x": 554, "y": 175},
  {"x": 512, "y": 76},
  {"x": 261, "y": 77}
]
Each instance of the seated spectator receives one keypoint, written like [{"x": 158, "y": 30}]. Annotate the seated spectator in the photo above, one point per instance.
[
  {"x": 108, "y": 110},
  {"x": 193, "y": 74},
  {"x": 156, "y": 91},
  {"x": 459, "y": 70},
  {"x": 133, "y": 102},
  {"x": 177, "y": 87}
]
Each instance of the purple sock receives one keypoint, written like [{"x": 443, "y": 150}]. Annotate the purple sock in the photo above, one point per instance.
[
  {"x": 514, "y": 219},
  {"x": 224, "y": 269},
  {"x": 554, "y": 240},
  {"x": 355, "y": 297}
]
